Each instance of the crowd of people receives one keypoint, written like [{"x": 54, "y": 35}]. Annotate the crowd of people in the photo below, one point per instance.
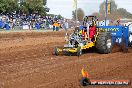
[{"x": 33, "y": 21}]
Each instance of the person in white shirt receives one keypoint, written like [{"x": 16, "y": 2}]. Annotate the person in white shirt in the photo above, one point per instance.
[{"x": 66, "y": 25}]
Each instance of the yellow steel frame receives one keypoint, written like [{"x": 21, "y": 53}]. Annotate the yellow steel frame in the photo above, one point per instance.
[
  {"x": 74, "y": 50},
  {"x": 88, "y": 45}
]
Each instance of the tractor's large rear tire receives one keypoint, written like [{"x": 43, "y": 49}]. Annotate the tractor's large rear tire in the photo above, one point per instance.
[{"x": 104, "y": 43}]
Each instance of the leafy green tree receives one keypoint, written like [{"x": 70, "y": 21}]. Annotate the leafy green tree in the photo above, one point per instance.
[
  {"x": 59, "y": 16},
  {"x": 115, "y": 14},
  {"x": 34, "y": 6},
  {"x": 2, "y": 6},
  {"x": 26, "y": 6},
  {"x": 123, "y": 13},
  {"x": 73, "y": 15},
  {"x": 80, "y": 14},
  {"x": 102, "y": 7},
  {"x": 8, "y": 6}
]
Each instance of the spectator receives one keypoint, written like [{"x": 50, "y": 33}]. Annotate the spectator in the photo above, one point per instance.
[
  {"x": 53, "y": 26},
  {"x": 56, "y": 26},
  {"x": 66, "y": 25}
]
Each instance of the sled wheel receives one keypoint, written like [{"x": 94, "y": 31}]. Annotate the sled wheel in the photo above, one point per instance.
[
  {"x": 79, "y": 51},
  {"x": 56, "y": 51}
]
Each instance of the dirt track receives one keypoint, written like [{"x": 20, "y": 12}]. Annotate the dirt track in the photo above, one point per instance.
[{"x": 26, "y": 61}]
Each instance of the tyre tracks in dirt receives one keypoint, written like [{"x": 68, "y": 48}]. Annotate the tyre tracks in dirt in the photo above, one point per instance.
[{"x": 34, "y": 66}]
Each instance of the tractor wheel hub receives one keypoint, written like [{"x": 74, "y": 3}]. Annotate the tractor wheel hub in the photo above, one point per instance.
[{"x": 109, "y": 44}]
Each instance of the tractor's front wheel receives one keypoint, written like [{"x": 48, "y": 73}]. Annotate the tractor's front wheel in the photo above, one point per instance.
[
  {"x": 104, "y": 43},
  {"x": 79, "y": 51},
  {"x": 56, "y": 51}
]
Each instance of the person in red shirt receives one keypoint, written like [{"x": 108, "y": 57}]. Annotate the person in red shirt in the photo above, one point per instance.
[{"x": 92, "y": 30}]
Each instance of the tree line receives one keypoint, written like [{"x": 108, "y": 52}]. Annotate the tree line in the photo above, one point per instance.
[
  {"x": 115, "y": 14},
  {"x": 23, "y": 6}
]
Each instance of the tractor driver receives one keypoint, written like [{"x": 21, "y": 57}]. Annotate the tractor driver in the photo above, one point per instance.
[
  {"x": 83, "y": 33},
  {"x": 92, "y": 31}
]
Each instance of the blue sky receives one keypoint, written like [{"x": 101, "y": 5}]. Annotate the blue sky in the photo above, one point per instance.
[{"x": 65, "y": 7}]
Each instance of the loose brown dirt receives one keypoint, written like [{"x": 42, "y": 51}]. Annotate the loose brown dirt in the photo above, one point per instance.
[{"x": 26, "y": 61}]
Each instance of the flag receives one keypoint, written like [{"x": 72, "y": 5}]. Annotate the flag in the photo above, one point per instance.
[
  {"x": 109, "y": 8},
  {"x": 75, "y": 4}
]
